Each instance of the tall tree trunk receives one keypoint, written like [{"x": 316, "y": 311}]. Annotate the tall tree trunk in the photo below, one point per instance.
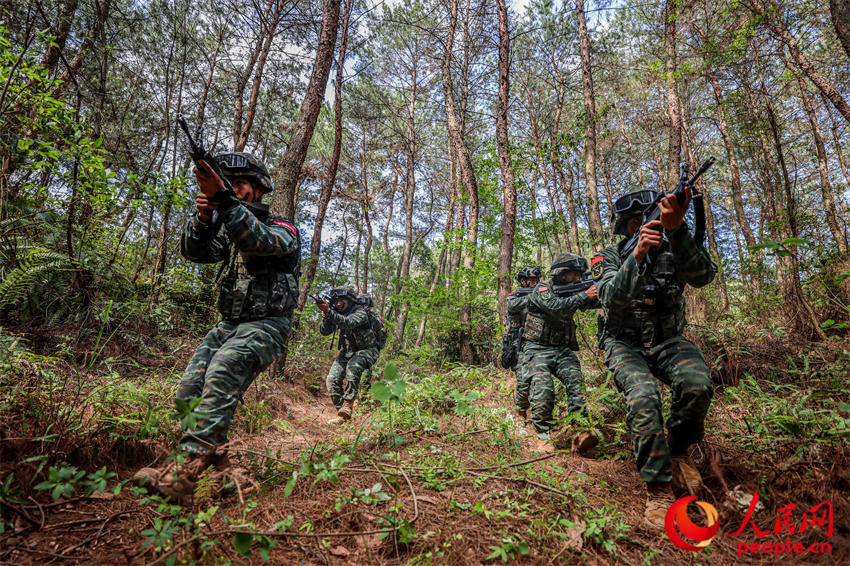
[
  {"x": 771, "y": 16},
  {"x": 506, "y": 245},
  {"x": 803, "y": 316},
  {"x": 593, "y": 216},
  {"x": 60, "y": 30},
  {"x": 367, "y": 205},
  {"x": 386, "y": 245},
  {"x": 245, "y": 75},
  {"x": 635, "y": 164},
  {"x": 467, "y": 175},
  {"x": 823, "y": 170},
  {"x": 674, "y": 144},
  {"x": 737, "y": 193},
  {"x": 290, "y": 166},
  {"x": 330, "y": 179},
  {"x": 409, "y": 192},
  {"x": 839, "y": 11}
]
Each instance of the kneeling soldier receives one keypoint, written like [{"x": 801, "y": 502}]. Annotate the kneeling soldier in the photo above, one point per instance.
[
  {"x": 549, "y": 344},
  {"x": 642, "y": 339},
  {"x": 359, "y": 348}
]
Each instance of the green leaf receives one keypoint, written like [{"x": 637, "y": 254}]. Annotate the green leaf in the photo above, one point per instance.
[
  {"x": 381, "y": 392},
  {"x": 398, "y": 388},
  {"x": 290, "y": 485},
  {"x": 391, "y": 372},
  {"x": 795, "y": 242},
  {"x": 242, "y": 543}
]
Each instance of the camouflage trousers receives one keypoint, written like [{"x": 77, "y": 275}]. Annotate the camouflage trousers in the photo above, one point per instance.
[
  {"x": 343, "y": 379},
  {"x": 223, "y": 366},
  {"x": 523, "y": 381},
  {"x": 542, "y": 363},
  {"x": 678, "y": 363}
]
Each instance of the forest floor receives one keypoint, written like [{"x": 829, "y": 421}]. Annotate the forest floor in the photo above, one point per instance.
[{"x": 441, "y": 472}]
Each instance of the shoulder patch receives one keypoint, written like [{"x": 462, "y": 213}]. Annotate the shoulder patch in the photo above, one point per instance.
[
  {"x": 544, "y": 288},
  {"x": 546, "y": 295},
  {"x": 596, "y": 259},
  {"x": 596, "y": 269},
  {"x": 286, "y": 225}
]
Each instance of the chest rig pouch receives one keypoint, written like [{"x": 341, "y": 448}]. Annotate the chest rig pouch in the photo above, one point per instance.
[
  {"x": 659, "y": 313},
  {"x": 540, "y": 330},
  {"x": 259, "y": 286},
  {"x": 359, "y": 338}
]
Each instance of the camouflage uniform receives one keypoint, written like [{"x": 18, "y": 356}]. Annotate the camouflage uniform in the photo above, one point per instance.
[
  {"x": 549, "y": 342},
  {"x": 517, "y": 305},
  {"x": 359, "y": 350},
  {"x": 645, "y": 314},
  {"x": 256, "y": 301}
]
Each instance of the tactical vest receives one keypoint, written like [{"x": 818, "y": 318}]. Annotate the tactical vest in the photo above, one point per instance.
[
  {"x": 259, "y": 286},
  {"x": 658, "y": 313},
  {"x": 517, "y": 319},
  {"x": 545, "y": 332},
  {"x": 360, "y": 337}
]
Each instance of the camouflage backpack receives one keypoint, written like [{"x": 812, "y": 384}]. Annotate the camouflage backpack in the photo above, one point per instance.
[{"x": 379, "y": 327}]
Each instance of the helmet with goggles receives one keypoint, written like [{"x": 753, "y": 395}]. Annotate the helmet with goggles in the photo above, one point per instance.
[
  {"x": 630, "y": 205},
  {"x": 245, "y": 165}
]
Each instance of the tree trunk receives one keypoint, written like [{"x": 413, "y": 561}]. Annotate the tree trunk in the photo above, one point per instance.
[
  {"x": 289, "y": 170},
  {"x": 506, "y": 245},
  {"x": 737, "y": 193},
  {"x": 770, "y": 14},
  {"x": 593, "y": 216},
  {"x": 823, "y": 170},
  {"x": 367, "y": 248},
  {"x": 467, "y": 175},
  {"x": 409, "y": 192},
  {"x": 538, "y": 151},
  {"x": 839, "y": 11},
  {"x": 328, "y": 184},
  {"x": 244, "y": 77},
  {"x": 674, "y": 144},
  {"x": 60, "y": 30}
]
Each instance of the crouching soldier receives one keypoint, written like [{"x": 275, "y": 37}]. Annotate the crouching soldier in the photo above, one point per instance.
[
  {"x": 512, "y": 353},
  {"x": 550, "y": 341},
  {"x": 261, "y": 255},
  {"x": 643, "y": 343},
  {"x": 358, "y": 348}
]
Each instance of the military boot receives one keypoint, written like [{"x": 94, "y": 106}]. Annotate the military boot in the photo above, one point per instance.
[
  {"x": 659, "y": 498},
  {"x": 686, "y": 477},
  {"x": 173, "y": 480},
  {"x": 344, "y": 413}
]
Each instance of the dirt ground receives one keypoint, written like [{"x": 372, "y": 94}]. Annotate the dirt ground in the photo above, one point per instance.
[{"x": 526, "y": 495}]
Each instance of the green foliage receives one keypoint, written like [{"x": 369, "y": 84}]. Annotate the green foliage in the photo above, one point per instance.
[
  {"x": 187, "y": 413},
  {"x": 511, "y": 548},
  {"x": 63, "y": 480}
]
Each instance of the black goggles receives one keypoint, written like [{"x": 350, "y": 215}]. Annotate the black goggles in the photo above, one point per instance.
[
  {"x": 232, "y": 161},
  {"x": 634, "y": 201}
]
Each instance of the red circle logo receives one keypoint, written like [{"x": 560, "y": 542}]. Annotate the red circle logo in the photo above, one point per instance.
[{"x": 677, "y": 521}]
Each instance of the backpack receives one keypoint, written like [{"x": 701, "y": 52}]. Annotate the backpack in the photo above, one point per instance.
[{"x": 379, "y": 327}]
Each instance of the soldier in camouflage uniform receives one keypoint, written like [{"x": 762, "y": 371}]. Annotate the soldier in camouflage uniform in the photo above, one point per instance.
[
  {"x": 261, "y": 255},
  {"x": 517, "y": 304},
  {"x": 359, "y": 349},
  {"x": 643, "y": 343},
  {"x": 549, "y": 344}
]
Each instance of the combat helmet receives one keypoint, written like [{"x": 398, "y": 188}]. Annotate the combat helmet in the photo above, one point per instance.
[
  {"x": 630, "y": 205},
  {"x": 241, "y": 164},
  {"x": 528, "y": 272},
  {"x": 365, "y": 299},
  {"x": 338, "y": 293},
  {"x": 567, "y": 262}
]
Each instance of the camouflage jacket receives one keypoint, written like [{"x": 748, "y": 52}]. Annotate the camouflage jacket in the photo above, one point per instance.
[
  {"x": 642, "y": 307},
  {"x": 261, "y": 254},
  {"x": 549, "y": 321},
  {"x": 356, "y": 331},
  {"x": 517, "y": 304}
]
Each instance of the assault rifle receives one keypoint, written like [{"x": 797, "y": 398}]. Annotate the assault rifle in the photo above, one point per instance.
[
  {"x": 652, "y": 211},
  {"x": 323, "y": 297},
  {"x": 522, "y": 291},
  {"x": 570, "y": 289},
  {"x": 198, "y": 152}
]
